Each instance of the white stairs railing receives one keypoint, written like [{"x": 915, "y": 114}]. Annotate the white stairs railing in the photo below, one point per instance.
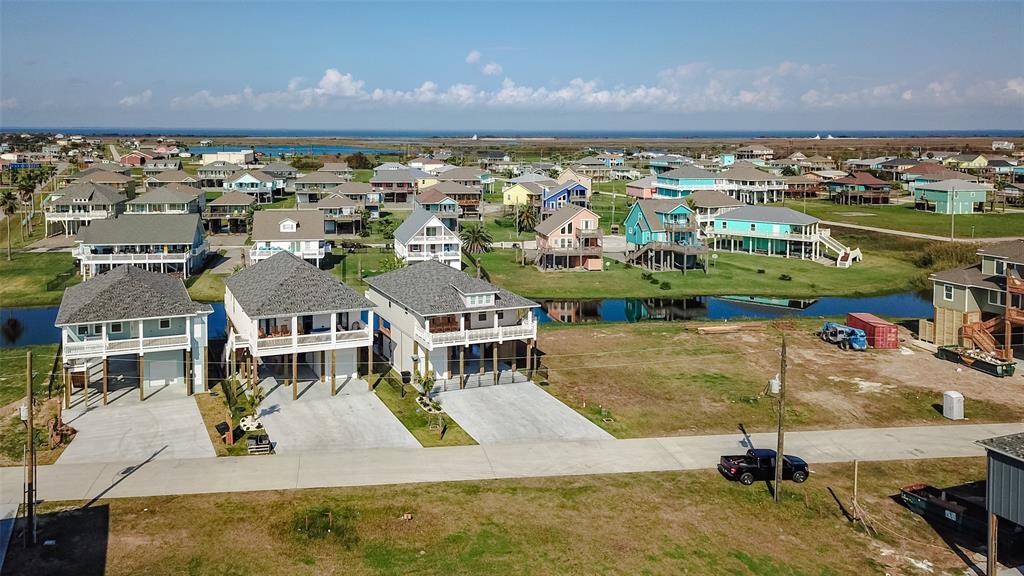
[{"x": 845, "y": 255}]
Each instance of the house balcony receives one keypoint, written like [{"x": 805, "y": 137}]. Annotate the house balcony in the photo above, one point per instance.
[
  {"x": 1015, "y": 315},
  {"x": 354, "y": 217},
  {"x": 183, "y": 257},
  {"x": 433, "y": 255},
  {"x": 100, "y": 347},
  {"x": 725, "y": 233},
  {"x": 688, "y": 226},
  {"x": 579, "y": 250},
  {"x": 451, "y": 335},
  {"x": 210, "y": 214},
  {"x": 269, "y": 337},
  {"x": 75, "y": 215},
  {"x": 257, "y": 254}
]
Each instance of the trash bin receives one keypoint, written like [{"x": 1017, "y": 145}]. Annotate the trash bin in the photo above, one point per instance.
[
  {"x": 406, "y": 377},
  {"x": 953, "y": 405}
]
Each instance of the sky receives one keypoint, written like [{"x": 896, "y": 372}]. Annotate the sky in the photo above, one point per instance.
[{"x": 621, "y": 66}]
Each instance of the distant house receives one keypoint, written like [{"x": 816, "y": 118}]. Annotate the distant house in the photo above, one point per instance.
[
  {"x": 824, "y": 175},
  {"x": 489, "y": 157},
  {"x": 527, "y": 193},
  {"x": 423, "y": 236},
  {"x": 611, "y": 159},
  {"x": 166, "y": 243},
  {"x": 342, "y": 215},
  {"x": 481, "y": 180},
  {"x": 129, "y": 312},
  {"x": 339, "y": 169},
  {"x": 969, "y": 161},
  {"x": 300, "y": 232},
  {"x": 681, "y": 182},
  {"x": 212, "y": 175},
  {"x": 801, "y": 186},
  {"x": 754, "y": 152},
  {"x": 468, "y": 198},
  {"x": 643, "y": 188},
  {"x": 154, "y": 167},
  {"x": 572, "y": 175},
  {"x": 256, "y": 183},
  {"x": 749, "y": 184},
  {"x": 593, "y": 168},
  {"x": 313, "y": 186},
  {"x": 859, "y": 188},
  {"x": 115, "y": 180},
  {"x": 662, "y": 234},
  {"x": 79, "y": 204},
  {"x": 362, "y": 194},
  {"x": 1002, "y": 145},
  {"x": 951, "y": 196},
  {"x": 708, "y": 205},
  {"x": 171, "y": 176},
  {"x": 135, "y": 158},
  {"x": 241, "y": 158},
  {"x": 390, "y": 166},
  {"x": 280, "y": 170},
  {"x": 776, "y": 231},
  {"x": 398, "y": 185},
  {"x": 428, "y": 165},
  {"x": 660, "y": 163},
  {"x": 171, "y": 198},
  {"x": 564, "y": 194},
  {"x": 229, "y": 213},
  {"x": 570, "y": 238},
  {"x": 435, "y": 201}
]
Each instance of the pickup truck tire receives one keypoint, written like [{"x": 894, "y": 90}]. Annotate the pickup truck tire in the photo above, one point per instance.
[
  {"x": 799, "y": 476},
  {"x": 746, "y": 478}
]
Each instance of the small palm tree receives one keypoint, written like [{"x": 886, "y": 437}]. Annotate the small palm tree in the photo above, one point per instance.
[
  {"x": 526, "y": 218},
  {"x": 8, "y": 205},
  {"x": 475, "y": 239}
]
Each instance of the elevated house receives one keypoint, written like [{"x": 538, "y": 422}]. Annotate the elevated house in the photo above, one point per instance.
[
  {"x": 683, "y": 181},
  {"x": 256, "y": 183},
  {"x": 662, "y": 234},
  {"x": 285, "y": 312},
  {"x": 339, "y": 169},
  {"x": 397, "y": 185},
  {"x": 527, "y": 193},
  {"x": 229, "y": 213},
  {"x": 479, "y": 180},
  {"x": 342, "y": 215},
  {"x": 154, "y": 167},
  {"x": 166, "y": 243},
  {"x": 661, "y": 163},
  {"x": 951, "y": 196},
  {"x": 745, "y": 182},
  {"x": 981, "y": 305},
  {"x": 130, "y": 312},
  {"x": 776, "y": 231},
  {"x": 966, "y": 162},
  {"x": 859, "y": 188},
  {"x": 281, "y": 170},
  {"x": 423, "y": 236},
  {"x": 121, "y": 182},
  {"x": 570, "y": 239},
  {"x": 212, "y": 175},
  {"x": 592, "y": 167},
  {"x": 135, "y": 158},
  {"x": 309, "y": 189},
  {"x": 171, "y": 177},
  {"x": 446, "y": 209},
  {"x": 564, "y": 194},
  {"x": 801, "y": 186},
  {"x": 571, "y": 174},
  {"x": 298, "y": 232},
  {"x": 77, "y": 205},
  {"x": 169, "y": 199},
  {"x": 926, "y": 172},
  {"x": 438, "y": 321},
  {"x": 467, "y": 198},
  {"x": 428, "y": 165},
  {"x": 643, "y": 188},
  {"x": 754, "y": 152},
  {"x": 390, "y": 166},
  {"x": 362, "y": 194},
  {"x": 708, "y": 205}
]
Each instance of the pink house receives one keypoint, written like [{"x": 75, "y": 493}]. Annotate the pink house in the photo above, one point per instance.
[
  {"x": 642, "y": 188},
  {"x": 570, "y": 239},
  {"x": 135, "y": 158}
]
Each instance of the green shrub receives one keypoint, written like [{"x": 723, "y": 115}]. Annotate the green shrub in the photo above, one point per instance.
[
  {"x": 665, "y": 286},
  {"x": 944, "y": 255},
  {"x": 785, "y": 277}
]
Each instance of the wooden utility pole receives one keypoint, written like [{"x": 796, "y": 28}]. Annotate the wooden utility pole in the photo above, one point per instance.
[
  {"x": 779, "y": 452},
  {"x": 30, "y": 458}
]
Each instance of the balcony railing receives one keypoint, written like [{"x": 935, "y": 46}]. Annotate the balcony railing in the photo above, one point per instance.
[
  {"x": 431, "y": 255},
  {"x": 78, "y": 215},
  {"x": 306, "y": 342},
  {"x": 128, "y": 257},
  {"x": 210, "y": 214},
  {"x": 99, "y": 347},
  {"x": 771, "y": 235},
  {"x": 262, "y": 253},
  {"x": 526, "y": 329}
]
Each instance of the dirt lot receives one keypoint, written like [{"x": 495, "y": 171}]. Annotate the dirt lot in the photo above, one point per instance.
[{"x": 656, "y": 379}]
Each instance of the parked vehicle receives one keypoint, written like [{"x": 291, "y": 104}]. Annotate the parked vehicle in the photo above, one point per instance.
[
  {"x": 978, "y": 360},
  {"x": 759, "y": 464},
  {"x": 846, "y": 337}
]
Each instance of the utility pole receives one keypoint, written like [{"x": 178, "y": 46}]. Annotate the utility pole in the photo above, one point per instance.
[
  {"x": 952, "y": 213},
  {"x": 30, "y": 459},
  {"x": 779, "y": 453}
]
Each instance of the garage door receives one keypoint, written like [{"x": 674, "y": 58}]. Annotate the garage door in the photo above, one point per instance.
[{"x": 163, "y": 371}]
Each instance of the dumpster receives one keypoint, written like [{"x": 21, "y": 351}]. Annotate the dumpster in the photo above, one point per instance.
[
  {"x": 880, "y": 333},
  {"x": 978, "y": 360}
]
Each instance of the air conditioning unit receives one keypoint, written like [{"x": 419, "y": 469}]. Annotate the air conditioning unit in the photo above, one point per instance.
[{"x": 953, "y": 405}]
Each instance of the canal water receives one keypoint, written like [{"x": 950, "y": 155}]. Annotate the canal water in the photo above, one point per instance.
[
  {"x": 25, "y": 326},
  {"x": 318, "y": 150}
]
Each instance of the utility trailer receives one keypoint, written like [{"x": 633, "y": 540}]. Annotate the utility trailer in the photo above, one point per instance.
[{"x": 978, "y": 360}]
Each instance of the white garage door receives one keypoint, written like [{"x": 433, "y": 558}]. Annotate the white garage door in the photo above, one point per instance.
[{"x": 163, "y": 369}]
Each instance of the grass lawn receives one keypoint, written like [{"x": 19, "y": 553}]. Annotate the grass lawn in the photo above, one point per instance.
[
  {"x": 664, "y": 379},
  {"x": 211, "y": 195},
  {"x": 611, "y": 209},
  {"x": 664, "y": 523},
  {"x": 12, "y": 394},
  {"x": 362, "y": 175},
  {"x": 206, "y": 287},
  {"x": 617, "y": 186},
  {"x": 422, "y": 425},
  {"x": 31, "y": 279},
  {"x": 904, "y": 217},
  {"x": 286, "y": 202},
  {"x": 12, "y": 371}
]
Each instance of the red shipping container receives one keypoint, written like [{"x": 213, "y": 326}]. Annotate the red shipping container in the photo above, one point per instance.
[{"x": 880, "y": 333}]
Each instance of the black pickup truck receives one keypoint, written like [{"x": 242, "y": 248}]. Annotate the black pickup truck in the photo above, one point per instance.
[{"x": 759, "y": 464}]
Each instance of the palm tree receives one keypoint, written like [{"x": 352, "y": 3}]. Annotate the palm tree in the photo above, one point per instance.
[
  {"x": 475, "y": 239},
  {"x": 392, "y": 262},
  {"x": 526, "y": 218},
  {"x": 8, "y": 205}
]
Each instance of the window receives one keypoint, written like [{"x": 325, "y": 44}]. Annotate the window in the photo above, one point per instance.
[
  {"x": 287, "y": 226},
  {"x": 947, "y": 292},
  {"x": 83, "y": 330},
  {"x": 997, "y": 298},
  {"x": 1000, "y": 267},
  {"x": 753, "y": 227},
  {"x": 482, "y": 316},
  {"x": 501, "y": 315},
  {"x": 165, "y": 323},
  {"x": 723, "y": 225},
  {"x": 116, "y": 328}
]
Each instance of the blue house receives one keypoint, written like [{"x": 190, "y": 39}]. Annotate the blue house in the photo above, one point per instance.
[
  {"x": 445, "y": 208},
  {"x": 571, "y": 192},
  {"x": 662, "y": 235},
  {"x": 776, "y": 231},
  {"x": 680, "y": 182}
]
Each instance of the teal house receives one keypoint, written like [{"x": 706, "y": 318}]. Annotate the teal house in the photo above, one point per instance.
[
  {"x": 661, "y": 234},
  {"x": 951, "y": 196},
  {"x": 680, "y": 182},
  {"x": 776, "y": 231}
]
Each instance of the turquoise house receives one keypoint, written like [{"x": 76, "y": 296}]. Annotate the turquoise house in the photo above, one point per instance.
[
  {"x": 661, "y": 234},
  {"x": 680, "y": 182},
  {"x": 776, "y": 231},
  {"x": 951, "y": 196}
]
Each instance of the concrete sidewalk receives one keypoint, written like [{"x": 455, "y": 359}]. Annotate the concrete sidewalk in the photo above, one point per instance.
[
  {"x": 917, "y": 234},
  {"x": 527, "y": 460}
]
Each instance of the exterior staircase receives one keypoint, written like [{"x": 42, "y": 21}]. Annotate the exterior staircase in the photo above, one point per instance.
[{"x": 844, "y": 254}]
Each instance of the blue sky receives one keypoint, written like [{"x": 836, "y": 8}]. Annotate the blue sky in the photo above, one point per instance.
[{"x": 536, "y": 66}]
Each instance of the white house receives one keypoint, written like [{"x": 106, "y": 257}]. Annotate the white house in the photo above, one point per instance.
[
  {"x": 129, "y": 328},
  {"x": 422, "y": 236},
  {"x": 79, "y": 204},
  {"x": 310, "y": 188},
  {"x": 171, "y": 198},
  {"x": 440, "y": 321},
  {"x": 260, "y": 185},
  {"x": 299, "y": 232},
  {"x": 242, "y": 157},
  {"x": 169, "y": 243}
]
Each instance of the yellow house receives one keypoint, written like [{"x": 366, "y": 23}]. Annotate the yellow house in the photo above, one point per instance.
[
  {"x": 570, "y": 174},
  {"x": 966, "y": 161},
  {"x": 523, "y": 194},
  {"x": 426, "y": 182}
]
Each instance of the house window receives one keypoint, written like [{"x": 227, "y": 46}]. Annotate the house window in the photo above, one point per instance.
[
  {"x": 165, "y": 323},
  {"x": 501, "y": 315},
  {"x": 83, "y": 330},
  {"x": 947, "y": 292},
  {"x": 482, "y": 316},
  {"x": 116, "y": 328},
  {"x": 997, "y": 298},
  {"x": 753, "y": 227},
  {"x": 724, "y": 225},
  {"x": 1000, "y": 267},
  {"x": 288, "y": 226}
]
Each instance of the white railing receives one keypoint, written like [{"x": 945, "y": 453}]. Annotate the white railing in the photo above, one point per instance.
[
  {"x": 262, "y": 253},
  {"x": 433, "y": 255},
  {"x": 88, "y": 348},
  {"x": 474, "y": 336},
  {"x": 92, "y": 215},
  {"x": 85, "y": 255},
  {"x": 750, "y": 234},
  {"x": 317, "y": 340}
]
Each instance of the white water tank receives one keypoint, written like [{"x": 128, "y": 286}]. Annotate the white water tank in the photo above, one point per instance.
[{"x": 953, "y": 405}]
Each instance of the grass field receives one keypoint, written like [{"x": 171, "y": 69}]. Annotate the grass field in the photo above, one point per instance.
[
  {"x": 659, "y": 524},
  {"x": 12, "y": 371},
  {"x": 207, "y": 287},
  {"x": 904, "y": 217},
  {"x": 423, "y": 426},
  {"x": 12, "y": 393},
  {"x": 669, "y": 380},
  {"x": 31, "y": 279}
]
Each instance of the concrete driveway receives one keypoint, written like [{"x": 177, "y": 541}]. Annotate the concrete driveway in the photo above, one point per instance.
[
  {"x": 513, "y": 413},
  {"x": 166, "y": 425},
  {"x": 318, "y": 422}
]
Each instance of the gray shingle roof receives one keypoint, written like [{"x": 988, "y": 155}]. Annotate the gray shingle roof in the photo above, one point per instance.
[
  {"x": 286, "y": 285},
  {"x": 449, "y": 187},
  {"x": 170, "y": 194},
  {"x": 770, "y": 214},
  {"x": 954, "y": 184},
  {"x": 461, "y": 173},
  {"x": 279, "y": 167},
  {"x": 1011, "y": 445},
  {"x": 353, "y": 188},
  {"x": 219, "y": 166},
  {"x": 172, "y": 176},
  {"x": 257, "y": 174},
  {"x": 1011, "y": 250},
  {"x": 266, "y": 225},
  {"x": 407, "y": 175},
  {"x": 320, "y": 178},
  {"x": 411, "y": 225},
  {"x": 142, "y": 229},
  {"x": 428, "y": 288},
  {"x": 88, "y": 193},
  {"x": 557, "y": 219},
  {"x": 712, "y": 199},
  {"x": 104, "y": 177},
  {"x": 969, "y": 276},
  {"x": 690, "y": 172},
  {"x": 232, "y": 199},
  {"x": 127, "y": 293},
  {"x": 745, "y": 172},
  {"x": 336, "y": 201},
  {"x": 652, "y": 207}
]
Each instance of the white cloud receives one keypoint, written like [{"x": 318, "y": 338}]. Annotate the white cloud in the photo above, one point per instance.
[
  {"x": 117, "y": 84},
  {"x": 491, "y": 69},
  {"x": 136, "y": 99},
  {"x": 473, "y": 57},
  {"x": 8, "y": 103}
]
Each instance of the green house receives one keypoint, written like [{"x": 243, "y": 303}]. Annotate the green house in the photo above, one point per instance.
[{"x": 951, "y": 196}]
